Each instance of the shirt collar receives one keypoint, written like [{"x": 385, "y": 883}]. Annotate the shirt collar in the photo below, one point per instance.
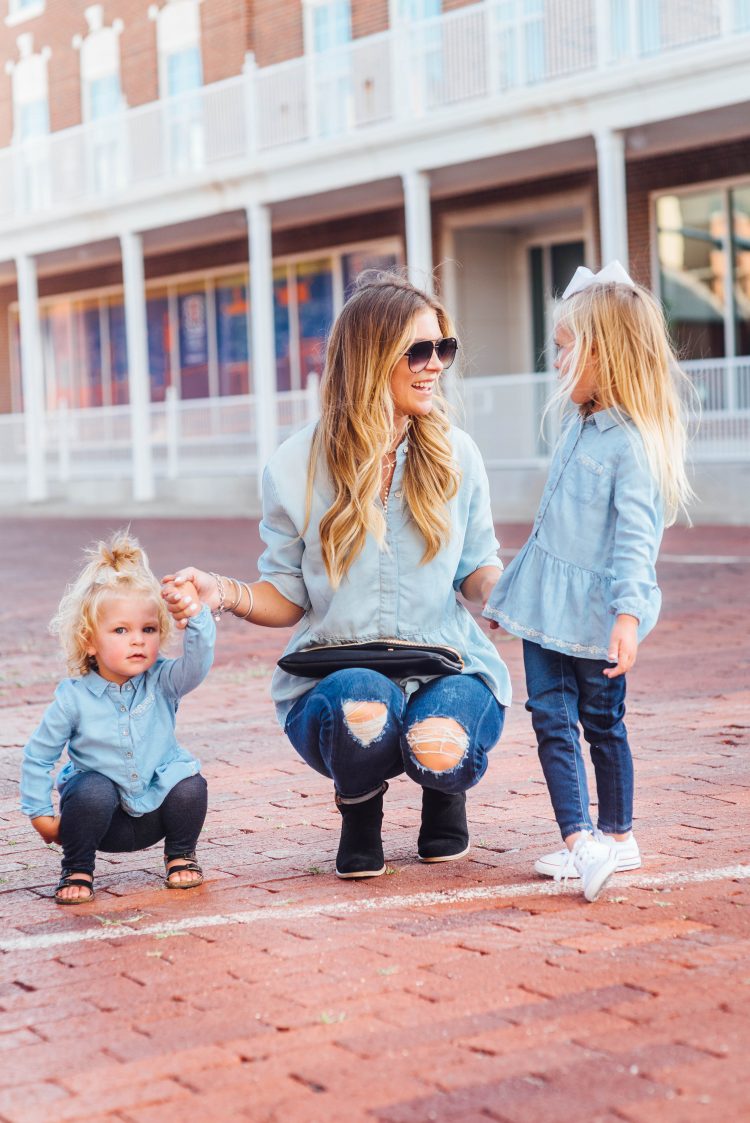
[
  {"x": 98, "y": 685},
  {"x": 607, "y": 418}
]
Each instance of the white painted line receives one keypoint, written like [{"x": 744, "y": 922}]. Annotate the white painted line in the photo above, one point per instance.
[{"x": 284, "y": 914}]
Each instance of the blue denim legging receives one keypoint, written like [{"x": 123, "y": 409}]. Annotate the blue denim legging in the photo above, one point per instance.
[
  {"x": 92, "y": 819},
  {"x": 358, "y": 757},
  {"x": 564, "y": 691}
]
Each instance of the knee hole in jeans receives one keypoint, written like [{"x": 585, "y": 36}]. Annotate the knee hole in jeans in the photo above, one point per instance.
[
  {"x": 365, "y": 720},
  {"x": 438, "y": 743}
]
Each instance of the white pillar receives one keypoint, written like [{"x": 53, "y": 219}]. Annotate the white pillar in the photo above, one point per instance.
[
  {"x": 613, "y": 207},
  {"x": 418, "y": 228},
  {"x": 262, "y": 333},
  {"x": 138, "y": 371},
  {"x": 32, "y": 375}
]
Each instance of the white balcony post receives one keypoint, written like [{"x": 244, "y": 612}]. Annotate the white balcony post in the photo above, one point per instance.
[
  {"x": 613, "y": 211},
  {"x": 603, "y": 31},
  {"x": 262, "y": 334},
  {"x": 250, "y": 75},
  {"x": 418, "y": 228},
  {"x": 32, "y": 378},
  {"x": 138, "y": 370}
]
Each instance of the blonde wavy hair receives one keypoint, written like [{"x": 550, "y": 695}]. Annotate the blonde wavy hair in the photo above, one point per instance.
[
  {"x": 357, "y": 425},
  {"x": 623, "y": 329},
  {"x": 118, "y": 567}
]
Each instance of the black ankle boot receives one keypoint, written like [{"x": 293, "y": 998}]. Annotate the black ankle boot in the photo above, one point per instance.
[
  {"x": 361, "y": 848},
  {"x": 444, "y": 834}
]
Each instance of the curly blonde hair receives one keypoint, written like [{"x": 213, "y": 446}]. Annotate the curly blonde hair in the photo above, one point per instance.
[
  {"x": 357, "y": 424},
  {"x": 114, "y": 568}
]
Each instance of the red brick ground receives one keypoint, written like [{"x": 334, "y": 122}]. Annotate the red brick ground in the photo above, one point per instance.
[{"x": 278, "y": 994}]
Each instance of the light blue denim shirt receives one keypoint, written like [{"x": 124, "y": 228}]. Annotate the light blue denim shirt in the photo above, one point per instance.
[
  {"x": 125, "y": 732},
  {"x": 592, "y": 552},
  {"x": 387, "y": 593}
]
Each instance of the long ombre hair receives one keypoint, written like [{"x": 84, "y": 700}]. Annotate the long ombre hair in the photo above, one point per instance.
[
  {"x": 357, "y": 425},
  {"x": 637, "y": 375}
]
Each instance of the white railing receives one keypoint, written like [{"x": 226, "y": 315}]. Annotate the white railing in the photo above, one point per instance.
[
  {"x": 477, "y": 52},
  {"x": 217, "y": 436}
]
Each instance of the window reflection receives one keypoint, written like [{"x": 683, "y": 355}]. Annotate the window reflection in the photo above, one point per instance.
[
  {"x": 315, "y": 314},
  {"x": 741, "y": 258},
  {"x": 232, "y": 340},
  {"x": 691, "y": 236}
]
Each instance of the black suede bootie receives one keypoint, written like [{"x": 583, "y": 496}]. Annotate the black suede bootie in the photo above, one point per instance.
[
  {"x": 360, "y": 851},
  {"x": 444, "y": 834}
]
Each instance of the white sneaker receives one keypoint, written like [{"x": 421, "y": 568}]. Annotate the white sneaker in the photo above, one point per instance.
[
  {"x": 594, "y": 861},
  {"x": 628, "y": 856}
]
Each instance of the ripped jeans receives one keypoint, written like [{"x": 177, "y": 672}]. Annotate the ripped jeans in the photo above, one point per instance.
[{"x": 359, "y": 728}]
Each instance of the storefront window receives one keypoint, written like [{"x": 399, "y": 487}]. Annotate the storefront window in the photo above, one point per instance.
[
  {"x": 193, "y": 329},
  {"x": 354, "y": 263},
  {"x": 740, "y": 204},
  {"x": 693, "y": 270},
  {"x": 88, "y": 354},
  {"x": 281, "y": 328},
  {"x": 159, "y": 345},
  {"x": 315, "y": 313},
  {"x": 118, "y": 352},
  {"x": 232, "y": 336}
]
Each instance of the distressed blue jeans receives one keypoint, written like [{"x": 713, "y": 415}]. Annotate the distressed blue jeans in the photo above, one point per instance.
[
  {"x": 327, "y": 730},
  {"x": 563, "y": 692}
]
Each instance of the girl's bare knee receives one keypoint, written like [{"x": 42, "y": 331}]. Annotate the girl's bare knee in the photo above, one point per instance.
[
  {"x": 365, "y": 720},
  {"x": 438, "y": 743}
]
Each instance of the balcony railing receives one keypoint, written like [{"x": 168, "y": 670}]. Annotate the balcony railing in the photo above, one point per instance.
[
  {"x": 217, "y": 436},
  {"x": 470, "y": 54}
]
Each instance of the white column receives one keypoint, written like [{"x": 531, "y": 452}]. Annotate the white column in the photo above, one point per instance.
[
  {"x": 138, "y": 372},
  {"x": 613, "y": 209},
  {"x": 32, "y": 376},
  {"x": 418, "y": 228},
  {"x": 262, "y": 333}
]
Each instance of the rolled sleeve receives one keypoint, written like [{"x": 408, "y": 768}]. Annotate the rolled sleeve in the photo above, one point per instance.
[
  {"x": 41, "y": 754},
  {"x": 281, "y": 562},
  {"x": 638, "y": 532},
  {"x": 480, "y": 544}
]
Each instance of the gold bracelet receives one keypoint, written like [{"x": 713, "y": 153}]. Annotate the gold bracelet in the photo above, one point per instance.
[
  {"x": 252, "y": 601},
  {"x": 238, "y": 587}
]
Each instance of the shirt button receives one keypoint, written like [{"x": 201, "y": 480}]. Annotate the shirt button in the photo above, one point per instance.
[
  {"x": 397, "y": 494},
  {"x": 122, "y": 709},
  {"x": 128, "y": 754},
  {"x": 133, "y": 775}
]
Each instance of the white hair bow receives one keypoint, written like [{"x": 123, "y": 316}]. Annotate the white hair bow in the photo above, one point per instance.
[{"x": 612, "y": 274}]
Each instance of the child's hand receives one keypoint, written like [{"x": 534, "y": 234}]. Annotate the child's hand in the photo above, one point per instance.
[
  {"x": 48, "y": 826},
  {"x": 623, "y": 645},
  {"x": 183, "y": 601}
]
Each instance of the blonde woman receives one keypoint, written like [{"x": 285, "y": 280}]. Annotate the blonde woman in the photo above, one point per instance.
[
  {"x": 374, "y": 519},
  {"x": 582, "y": 593},
  {"x": 127, "y": 782}
]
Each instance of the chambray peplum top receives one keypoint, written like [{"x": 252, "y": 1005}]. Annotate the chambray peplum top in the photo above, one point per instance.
[
  {"x": 387, "y": 593},
  {"x": 592, "y": 551}
]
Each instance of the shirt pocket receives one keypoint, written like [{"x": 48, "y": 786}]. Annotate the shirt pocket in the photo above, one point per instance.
[{"x": 589, "y": 480}]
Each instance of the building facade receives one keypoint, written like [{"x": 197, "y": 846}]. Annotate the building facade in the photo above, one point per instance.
[{"x": 189, "y": 188}]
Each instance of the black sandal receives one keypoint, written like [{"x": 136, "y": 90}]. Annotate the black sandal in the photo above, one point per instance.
[
  {"x": 66, "y": 881},
  {"x": 186, "y": 862}
]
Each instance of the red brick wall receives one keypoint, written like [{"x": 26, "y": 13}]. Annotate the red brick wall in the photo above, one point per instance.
[
  {"x": 674, "y": 170},
  {"x": 225, "y": 35},
  {"x": 277, "y": 31}
]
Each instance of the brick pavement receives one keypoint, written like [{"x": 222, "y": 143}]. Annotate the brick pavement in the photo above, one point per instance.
[{"x": 472, "y": 991}]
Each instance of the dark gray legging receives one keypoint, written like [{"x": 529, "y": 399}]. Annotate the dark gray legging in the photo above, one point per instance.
[{"x": 92, "y": 819}]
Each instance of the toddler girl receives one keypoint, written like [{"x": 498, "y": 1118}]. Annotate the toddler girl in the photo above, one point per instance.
[
  {"x": 582, "y": 592},
  {"x": 127, "y": 782}
]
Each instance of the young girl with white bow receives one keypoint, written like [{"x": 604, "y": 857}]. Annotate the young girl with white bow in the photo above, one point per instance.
[{"x": 582, "y": 593}]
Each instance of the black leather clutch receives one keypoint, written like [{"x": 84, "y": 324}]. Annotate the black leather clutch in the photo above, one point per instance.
[{"x": 391, "y": 658}]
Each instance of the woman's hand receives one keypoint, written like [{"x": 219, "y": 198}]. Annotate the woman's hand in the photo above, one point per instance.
[
  {"x": 48, "y": 826},
  {"x": 186, "y": 590},
  {"x": 623, "y": 645}
]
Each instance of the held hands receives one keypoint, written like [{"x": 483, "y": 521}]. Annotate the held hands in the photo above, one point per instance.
[
  {"x": 186, "y": 590},
  {"x": 623, "y": 646},
  {"x": 48, "y": 826}
]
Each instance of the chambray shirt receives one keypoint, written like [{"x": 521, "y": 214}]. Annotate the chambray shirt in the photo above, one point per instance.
[
  {"x": 592, "y": 552},
  {"x": 125, "y": 732},
  {"x": 387, "y": 593}
]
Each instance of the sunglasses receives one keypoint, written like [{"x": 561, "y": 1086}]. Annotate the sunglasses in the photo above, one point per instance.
[{"x": 420, "y": 353}]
